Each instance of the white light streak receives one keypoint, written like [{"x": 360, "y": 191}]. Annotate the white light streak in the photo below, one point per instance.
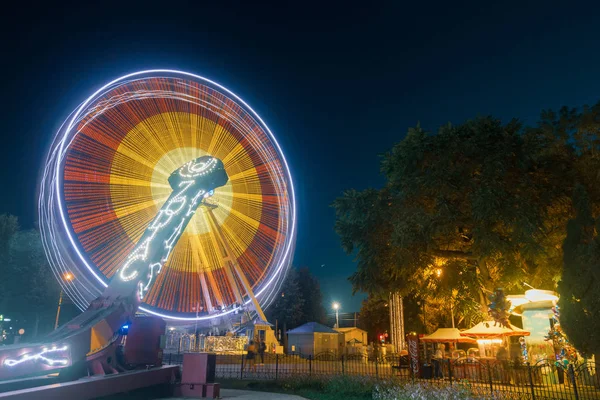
[
  {"x": 57, "y": 234},
  {"x": 42, "y": 356}
]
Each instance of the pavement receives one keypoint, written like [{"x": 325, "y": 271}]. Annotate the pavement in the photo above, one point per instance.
[{"x": 249, "y": 395}]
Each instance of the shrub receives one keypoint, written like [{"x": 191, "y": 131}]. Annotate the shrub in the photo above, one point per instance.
[
  {"x": 351, "y": 386},
  {"x": 424, "y": 391}
]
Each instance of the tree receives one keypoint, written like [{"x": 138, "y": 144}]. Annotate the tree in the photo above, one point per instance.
[
  {"x": 580, "y": 284},
  {"x": 310, "y": 290},
  {"x": 374, "y": 317},
  {"x": 474, "y": 207},
  {"x": 34, "y": 290},
  {"x": 9, "y": 225},
  {"x": 287, "y": 309},
  {"x": 28, "y": 290}
]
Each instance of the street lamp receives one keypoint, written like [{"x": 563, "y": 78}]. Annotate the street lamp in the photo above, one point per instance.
[
  {"x": 336, "y": 307},
  {"x": 67, "y": 276}
]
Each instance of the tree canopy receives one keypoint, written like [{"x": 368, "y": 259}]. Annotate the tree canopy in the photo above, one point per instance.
[
  {"x": 580, "y": 284},
  {"x": 299, "y": 300},
  {"x": 310, "y": 292},
  {"x": 28, "y": 288},
  {"x": 475, "y": 206}
]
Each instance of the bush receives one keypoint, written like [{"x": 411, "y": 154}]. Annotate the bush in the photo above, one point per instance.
[
  {"x": 350, "y": 387},
  {"x": 423, "y": 391},
  {"x": 342, "y": 385}
]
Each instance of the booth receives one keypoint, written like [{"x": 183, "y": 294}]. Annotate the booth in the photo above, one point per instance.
[{"x": 451, "y": 336}]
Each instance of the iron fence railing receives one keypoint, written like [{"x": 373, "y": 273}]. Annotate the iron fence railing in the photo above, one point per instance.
[{"x": 544, "y": 380}]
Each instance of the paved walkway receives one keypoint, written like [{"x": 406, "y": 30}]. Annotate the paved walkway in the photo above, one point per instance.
[{"x": 249, "y": 395}]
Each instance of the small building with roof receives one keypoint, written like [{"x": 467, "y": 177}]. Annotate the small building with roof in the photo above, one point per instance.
[
  {"x": 353, "y": 335},
  {"x": 313, "y": 338}
]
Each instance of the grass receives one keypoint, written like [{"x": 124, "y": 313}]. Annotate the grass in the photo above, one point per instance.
[{"x": 334, "y": 388}]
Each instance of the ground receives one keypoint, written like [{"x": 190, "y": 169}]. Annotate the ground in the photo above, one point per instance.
[{"x": 249, "y": 395}]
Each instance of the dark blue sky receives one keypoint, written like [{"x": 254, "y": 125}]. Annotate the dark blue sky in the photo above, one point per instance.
[{"x": 338, "y": 85}]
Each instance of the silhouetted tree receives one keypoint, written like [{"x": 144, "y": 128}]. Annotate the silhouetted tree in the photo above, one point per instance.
[
  {"x": 475, "y": 206},
  {"x": 287, "y": 308},
  {"x": 374, "y": 317},
  {"x": 579, "y": 287},
  {"x": 310, "y": 290},
  {"x": 28, "y": 289}
]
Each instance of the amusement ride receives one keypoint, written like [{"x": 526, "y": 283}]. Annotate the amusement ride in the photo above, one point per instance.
[{"x": 164, "y": 195}]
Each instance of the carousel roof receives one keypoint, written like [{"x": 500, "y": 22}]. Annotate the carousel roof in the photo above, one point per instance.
[
  {"x": 443, "y": 335},
  {"x": 492, "y": 329}
]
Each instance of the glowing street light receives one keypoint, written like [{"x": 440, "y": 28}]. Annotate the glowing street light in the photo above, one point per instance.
[
  {"x": 336, "y": 307},
  {"x": 69, "y": 277}
]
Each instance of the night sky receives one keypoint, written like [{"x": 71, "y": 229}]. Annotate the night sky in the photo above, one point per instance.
[{"x": 337, "y": 85}]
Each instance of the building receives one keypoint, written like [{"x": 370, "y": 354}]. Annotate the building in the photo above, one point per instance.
[
  {"x": 353, "y": 335},
  {"x": 313, "y": 338}
]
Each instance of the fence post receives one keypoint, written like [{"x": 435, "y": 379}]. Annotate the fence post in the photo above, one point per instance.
[
  {"x": 310, "y": 364},
  {"x": 376, "y": 368},
  {"x": 343, "y": 369},
  {"x": 170, "y": 354},
  {"x": 490, "y": 378},
  {"x": 450, "y": 370},
  {"x": 242, "y": 367},
  {"x": 529, "y": 367},
  {"x": 276, "y": 366},
  {"x": 573, "y": 381}
]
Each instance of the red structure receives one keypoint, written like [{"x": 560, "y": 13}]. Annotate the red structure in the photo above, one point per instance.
[
  {"x": 198, "y": 379},
  {"x": 143, "y": 345},
  {"x": 413, "y": 352}
]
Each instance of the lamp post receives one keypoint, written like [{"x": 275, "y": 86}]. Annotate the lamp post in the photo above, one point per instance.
[
  {"x": 336, "y": 307},
  {"x": 67, "y": 276}
]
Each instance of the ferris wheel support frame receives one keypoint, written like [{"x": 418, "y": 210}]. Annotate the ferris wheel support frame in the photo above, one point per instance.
[{"x": 229, "y": 258}]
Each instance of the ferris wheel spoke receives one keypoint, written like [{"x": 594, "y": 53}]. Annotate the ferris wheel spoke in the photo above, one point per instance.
[
  {"x": 231, "y": 259},
  {"x": 107, "y": 180}
]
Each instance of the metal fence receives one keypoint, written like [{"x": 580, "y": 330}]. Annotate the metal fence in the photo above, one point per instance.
[{"x": 543, "y": 380}]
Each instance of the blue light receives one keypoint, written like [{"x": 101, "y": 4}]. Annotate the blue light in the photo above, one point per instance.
[{"x": 125, "y": 326}]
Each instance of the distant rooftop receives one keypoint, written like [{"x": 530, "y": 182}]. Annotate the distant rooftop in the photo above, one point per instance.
[
  {"x": 312, "y": 327},
  {"x": 348, "y": 329}
]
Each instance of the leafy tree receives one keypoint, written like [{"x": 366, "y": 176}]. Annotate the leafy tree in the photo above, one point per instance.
[
  {"x": 476, "y": 206},
  {"x": 28, "y": 290},
  {"x": 310, "y": 291},
  {"x": 9, "y": 225},
  {"x": 580, "y": 284},
  {"x": 34, "y": 290},
  {"x": 374, "y": 317},
  {"x": 288, "y": 309}
]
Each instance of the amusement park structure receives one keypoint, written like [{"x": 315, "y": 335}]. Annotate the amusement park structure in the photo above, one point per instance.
[{"x": 166, "y": 196}]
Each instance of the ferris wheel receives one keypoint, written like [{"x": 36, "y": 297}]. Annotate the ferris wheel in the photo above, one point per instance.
[{"x": 119, "y": 168}]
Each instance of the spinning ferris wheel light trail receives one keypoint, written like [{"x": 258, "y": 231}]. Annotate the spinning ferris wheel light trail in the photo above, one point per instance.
[
  {"x": 191, "y": 184},
  {"x": 118, "y": 204}
]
